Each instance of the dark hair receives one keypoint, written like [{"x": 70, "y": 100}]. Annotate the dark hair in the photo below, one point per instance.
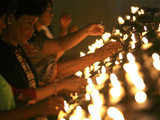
[
  {"x": 6, "y": 7},
  {"x": 31, "y": 7}
]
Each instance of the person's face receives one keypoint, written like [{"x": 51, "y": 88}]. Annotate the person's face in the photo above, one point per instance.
[
  {"x": 23, "y": 28},
  {"x": 46, "y": 17}
]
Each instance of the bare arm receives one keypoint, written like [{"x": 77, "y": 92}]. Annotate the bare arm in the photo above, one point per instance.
[
  {"x": 80, "y": 63},
  {"x": 47, "y": 107},
  {"x": 22, "y": 113},
  {"x": 71, "y": 40}
]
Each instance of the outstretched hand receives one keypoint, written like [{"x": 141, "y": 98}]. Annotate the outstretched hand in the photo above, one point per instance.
[{"x": 95, "y": 29}]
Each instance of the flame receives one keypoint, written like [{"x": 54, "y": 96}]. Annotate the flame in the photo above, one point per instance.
[
  {"x": 79, "y": 74},
  {"x": 117, "y": 32},
  {"x": 125, "y": 37},
  {"x": 158, "y": 28},
  {"x": 140, "y": 97},
  {"x": 133, "y": 75},
  {"x": 156, "y": 61},
  {"x": 96, "y": 66},
  {"x": 146, "y": 45},
  {"x": 106, "y": 36},
  {"x": 115, "y": 113},
  {"x": 87, "y": 73},
  {"x": 141, "y": 12},
  {"x": 102, "y": 77},
  {"x": 134, "y": 18},
  {"x": 82, "y": 54},
  {"x": 67, "y": 109},
  {"x": 121, "y": 20},
  {"x": 120, "y": 56},
  {"x": 96, "y": 108},
  {"x": 98, "y": 44},
  {"x": 134, "y": 9},
  {"x": 128, "y": 17},
  {"x": 116, "y": 92},
  {"x": 79, "y": 114},
  {"x": 158, "y": 31},
  {"x": 134, "y": 41}
]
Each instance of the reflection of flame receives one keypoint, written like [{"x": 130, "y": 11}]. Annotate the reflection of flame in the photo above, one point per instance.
[
  {"x": 78, "y": 114},
  {"x": 115, "y": 114},
  {"x": 156, "y": 61},
  {"x": 133, "y": 75},
  {"x": 116, "y": 92},
  {"x": 67, "y": 109},
  {"x": 134, "y": 41}
]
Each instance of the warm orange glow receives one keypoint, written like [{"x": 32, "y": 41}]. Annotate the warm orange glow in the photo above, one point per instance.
[
  {"x": 106, "y": 36},
  {"x": 140, "y": 97},
  {"x": 134, "y": 77},
  {"x": 116, "y": 92},
  {"x": 82, "y": 54},
  {"x": 121, "y": 20},
  {"x": 125, "y": 37},
  {"x": 134, "y": 9},
  {"x": 115, "y": 114},
  {"x": 141, "y": 12},
  {"x": 78, "y": 114},
  {"x": 79, "y": 74},
  {"x": 128, "y": 17},
  {"x": 146, "y": 45},
  {"x": 156, "y": 61}
]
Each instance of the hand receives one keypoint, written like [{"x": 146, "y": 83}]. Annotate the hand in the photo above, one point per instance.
[
  {"x": 95, "y": 29},
  {"x": 51, "y": 106},
  {"x": 74, "y": 28},
  {"x": 73, "y": 84},
  {"x": 109, "y": 49},
  {"x": 65, "y": 21},
  {"x": 113, "y": 47}
]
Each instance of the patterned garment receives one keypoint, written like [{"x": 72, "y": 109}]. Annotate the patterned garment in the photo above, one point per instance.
[
  {"x": 44, "y": 65},
  {"x": 29, "y": 74}
]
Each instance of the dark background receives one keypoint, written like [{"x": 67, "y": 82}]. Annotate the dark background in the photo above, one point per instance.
[{"x": 94, "y": 11}]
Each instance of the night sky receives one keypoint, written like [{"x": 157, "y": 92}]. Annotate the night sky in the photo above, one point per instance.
[{"x": 95, "y": 11}]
